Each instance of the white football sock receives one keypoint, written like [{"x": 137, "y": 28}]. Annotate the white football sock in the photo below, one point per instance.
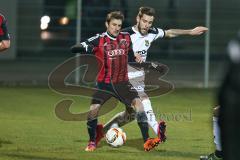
[
  {"x": 216, "y": 133},
  {"x": 114, "y": 125},
  {"x": 150, "y": 115}
]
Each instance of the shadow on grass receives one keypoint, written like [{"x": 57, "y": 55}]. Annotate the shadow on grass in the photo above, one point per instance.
[
  {"x": 80, "y": 141},
  {"x": 138, "y": 144},
  {"x": 135, "y": 143},
  {"x": 177, "y": 154},
  {"x": 101, "y": 144},
  {"x": 159, "y": 151},
  {"x": 4, "y": 142},
  {"x": 33, "y": 157}
]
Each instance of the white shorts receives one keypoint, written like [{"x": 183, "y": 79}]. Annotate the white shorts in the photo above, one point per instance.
[{"x": 136, "y": 78}]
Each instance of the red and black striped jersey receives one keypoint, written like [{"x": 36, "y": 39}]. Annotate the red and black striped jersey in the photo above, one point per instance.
[
  {"x": 3, "y": 29},
  {"x": 113, "y": 52}
]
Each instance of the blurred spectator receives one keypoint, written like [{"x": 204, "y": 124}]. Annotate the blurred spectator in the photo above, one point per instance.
[
  {"x": 4, "y": 36},
  {"x": 229, "y": 99},
  {"x": 217, "y": 154}
]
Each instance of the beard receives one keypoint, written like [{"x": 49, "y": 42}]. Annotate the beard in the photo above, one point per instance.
[{"x": 141, "y": 30}]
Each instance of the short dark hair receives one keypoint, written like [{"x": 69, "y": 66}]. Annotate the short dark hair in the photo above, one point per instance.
[
  {"x": 146, "y": 10},
  {"x": 114, "y": 15}
]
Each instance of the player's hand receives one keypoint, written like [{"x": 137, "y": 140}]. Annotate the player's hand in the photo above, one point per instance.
[
  {"x": 78, "y": 48},
  {"x": 138, "y": 58},
  {"x": 198, "y": 31},
  {"x": 161, "y": 68}
]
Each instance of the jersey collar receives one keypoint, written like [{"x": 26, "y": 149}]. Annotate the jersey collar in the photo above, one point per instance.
[
  {"x": 137, "y": 32},
  {"x": 110, "y": 36}
]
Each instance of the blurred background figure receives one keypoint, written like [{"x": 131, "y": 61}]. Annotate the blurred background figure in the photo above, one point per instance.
[
  {"x": 217, "y": 154},
  {"x": 229, "y": 99},
  {"x": 4, "y": 36},
  {"x": 228, "y": 113}
]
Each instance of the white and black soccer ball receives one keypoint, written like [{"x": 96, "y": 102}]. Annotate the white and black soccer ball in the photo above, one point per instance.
[{"x": 115, "y": 137}]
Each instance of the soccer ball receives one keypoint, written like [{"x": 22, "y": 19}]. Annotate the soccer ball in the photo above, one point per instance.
[{"x": 115, "y": 137}]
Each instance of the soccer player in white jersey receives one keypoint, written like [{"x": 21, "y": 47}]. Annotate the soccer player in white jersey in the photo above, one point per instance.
[{"x": 142, "y": 35}]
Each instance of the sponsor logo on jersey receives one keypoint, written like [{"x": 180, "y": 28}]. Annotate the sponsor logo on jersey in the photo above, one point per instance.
[
  {"x": 109, "y": 47},
  {"x": 135, "y": 74},
  {"x": 123, "y": 44},
  {"x": 138, "y": 88},
  {"x": 147, "y": 43},
  {"x": 116, "y": 52},
  {"x": 143, "y": 52}
]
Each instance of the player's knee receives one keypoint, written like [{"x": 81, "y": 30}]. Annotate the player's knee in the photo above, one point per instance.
[
  {"x": 144, "y": 97},
  {"x": 137, "y": 105},
  {"x": 216, "y": 111},
  {"x": 93, "y": 113},
  {"x": 94, "y": 106},
  {"x": 134, "y": 102}
]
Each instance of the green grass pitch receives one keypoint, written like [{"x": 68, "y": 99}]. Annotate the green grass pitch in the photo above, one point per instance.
[{"x": 29, "y": 129}]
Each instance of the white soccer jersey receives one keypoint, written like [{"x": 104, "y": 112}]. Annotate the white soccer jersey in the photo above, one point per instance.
[{"x": 141, "y": 43}]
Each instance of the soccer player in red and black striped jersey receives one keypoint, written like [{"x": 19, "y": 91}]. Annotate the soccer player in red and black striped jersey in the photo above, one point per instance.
[
  {"x": 112, "y": 48},
  {"x": 4, "y": 36}
]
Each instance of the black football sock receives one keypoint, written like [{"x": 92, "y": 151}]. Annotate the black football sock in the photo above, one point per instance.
[
  {"x": 91, "y": 126},
  {"x": 144, "y": 130},
  {"x": 143, "y": 125},
  {"x": 218, "y": 154}
]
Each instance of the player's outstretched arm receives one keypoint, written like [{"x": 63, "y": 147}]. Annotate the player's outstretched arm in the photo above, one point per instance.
[
  {"x": 192, "y": 32},
  {"x": 87, "y": 46}
]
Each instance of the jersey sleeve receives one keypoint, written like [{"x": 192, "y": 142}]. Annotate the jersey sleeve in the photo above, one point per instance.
[
  {"x": 91, "y": 44},
  {"x": 160, "y": 33},
  {"x": 4, "y": 35},
  {"x": 131, "y": 57}
]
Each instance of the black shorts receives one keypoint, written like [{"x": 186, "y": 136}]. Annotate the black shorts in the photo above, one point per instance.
[{"x": 123, "y": 91}]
